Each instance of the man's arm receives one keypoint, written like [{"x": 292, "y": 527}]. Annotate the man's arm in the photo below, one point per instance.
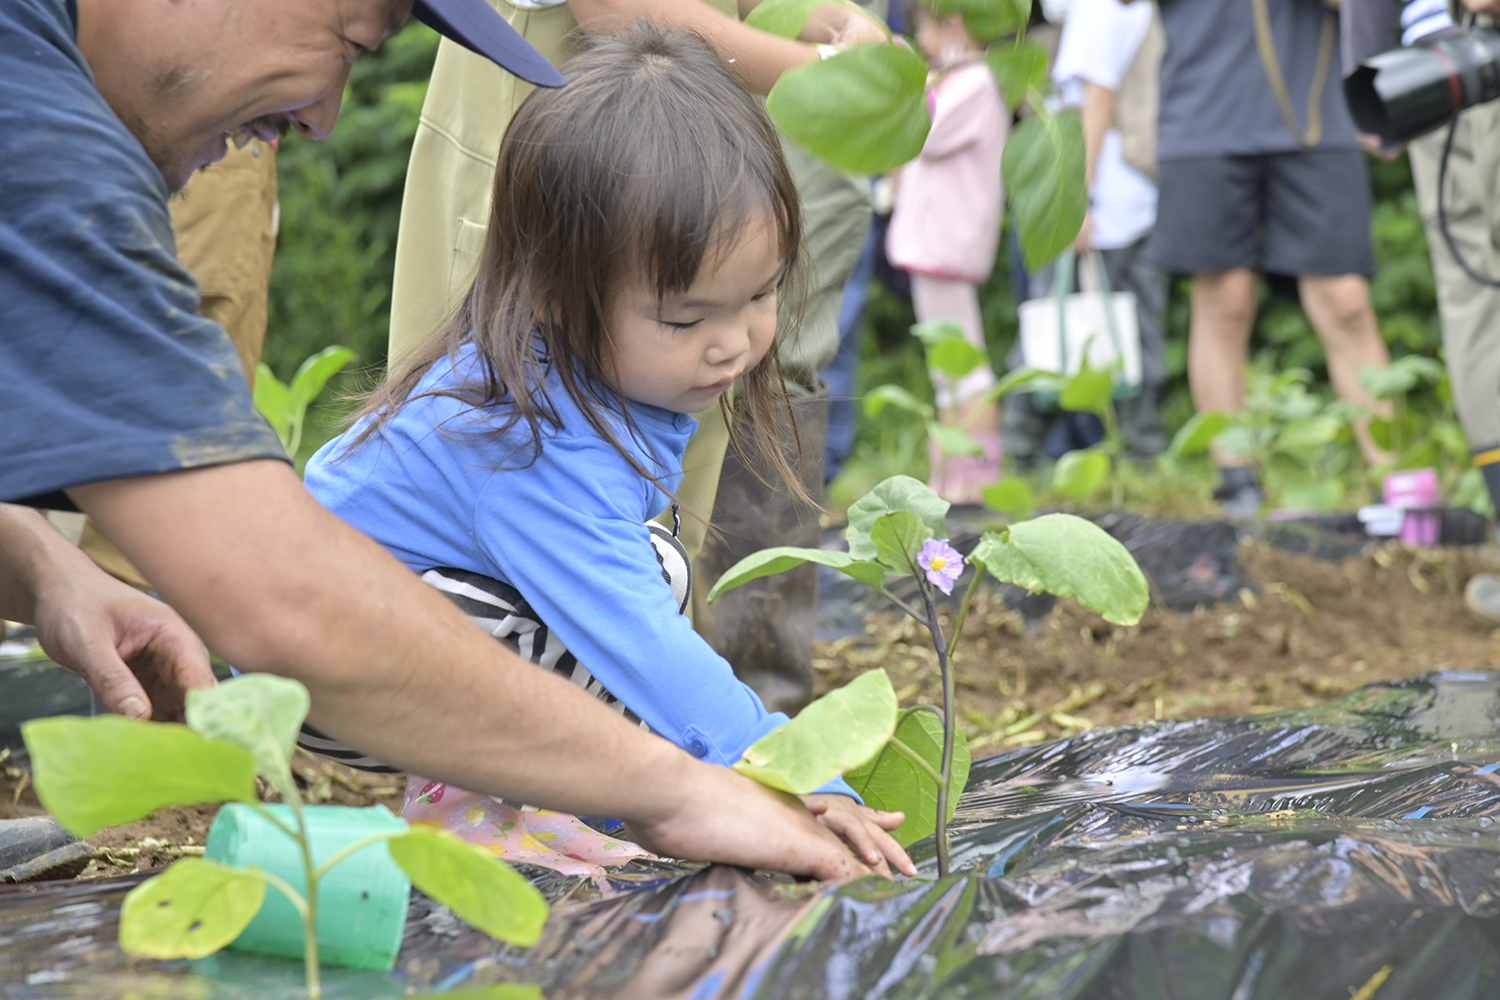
[
  {"x": 275, "y": 583},
  {"x": 757, "y": 58},
  {"x": 1098, "y": 113},
  {"x": 136, "y": 653}
]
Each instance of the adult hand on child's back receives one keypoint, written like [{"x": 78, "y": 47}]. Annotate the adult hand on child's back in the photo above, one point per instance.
[
  {"x": 728, "y": 818},
  {"x": 864, "y": 829}
]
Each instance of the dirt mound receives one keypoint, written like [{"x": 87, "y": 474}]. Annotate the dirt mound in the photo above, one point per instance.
[{"x": 1314, "y": 631}]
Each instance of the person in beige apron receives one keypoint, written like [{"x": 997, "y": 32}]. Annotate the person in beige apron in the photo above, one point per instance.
[{"x": 764, "y": 629}]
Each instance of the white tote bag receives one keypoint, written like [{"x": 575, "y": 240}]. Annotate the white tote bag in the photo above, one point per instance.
[{"x": 1057, "y": 331}]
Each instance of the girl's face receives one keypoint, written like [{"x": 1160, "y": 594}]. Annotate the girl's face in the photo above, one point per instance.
[{"x": 680, "y": 353}]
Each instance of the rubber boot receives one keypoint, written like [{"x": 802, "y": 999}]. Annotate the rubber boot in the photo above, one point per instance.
[{"x": 765, "y": 628}]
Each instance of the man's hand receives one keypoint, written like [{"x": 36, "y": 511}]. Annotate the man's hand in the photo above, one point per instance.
[
  {"x": 137, "y": 654},
  {"x": 865, "y": 830},
  {"x": 843, "y": 25},
  {"x": 133, "y": 650},
  {"x": 1482, "y": 6}
]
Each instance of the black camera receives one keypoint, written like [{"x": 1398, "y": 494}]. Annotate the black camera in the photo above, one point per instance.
[{"x": 1401, "y": 94}]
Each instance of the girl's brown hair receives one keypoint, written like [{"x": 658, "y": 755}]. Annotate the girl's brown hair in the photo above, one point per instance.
[{"x": 650, "y": 161}]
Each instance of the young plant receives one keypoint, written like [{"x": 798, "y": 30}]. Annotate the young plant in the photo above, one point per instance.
[
  {"x": 916, "y": 761},
  {"x": 104, "y": 771},
  {"x": 285, "y": 405},
  {"x": 865, "y": 111}
]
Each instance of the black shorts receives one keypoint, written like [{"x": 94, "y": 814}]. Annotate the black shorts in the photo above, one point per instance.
[{"x": 1300, "y": 213}]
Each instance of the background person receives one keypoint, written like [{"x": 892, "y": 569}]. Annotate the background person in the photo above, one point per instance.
[
  {"x": 1256, "y": 176},
  {"x": 121, "y": 398}
]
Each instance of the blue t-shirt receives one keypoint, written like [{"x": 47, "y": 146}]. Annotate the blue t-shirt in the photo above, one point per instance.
[
  {"x": 106, "y": 369},
  {"x": 567, "y": 531}
]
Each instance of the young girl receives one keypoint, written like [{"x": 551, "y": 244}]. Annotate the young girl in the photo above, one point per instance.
[
  {"x": 946, "y": 228},
  {"x": 643, "y": 223}
]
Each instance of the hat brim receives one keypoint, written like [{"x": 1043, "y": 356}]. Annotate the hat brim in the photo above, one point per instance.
[{"x": 479, "y": 28}]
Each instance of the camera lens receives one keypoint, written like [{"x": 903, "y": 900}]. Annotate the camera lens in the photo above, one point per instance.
[{"x": 1401, "y": 94}]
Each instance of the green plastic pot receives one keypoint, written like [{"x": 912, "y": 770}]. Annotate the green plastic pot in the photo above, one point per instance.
[{"x": 362, "y": 900}]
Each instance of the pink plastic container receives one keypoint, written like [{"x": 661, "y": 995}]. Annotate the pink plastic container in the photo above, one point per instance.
[{"x": 1416, "y": 491}]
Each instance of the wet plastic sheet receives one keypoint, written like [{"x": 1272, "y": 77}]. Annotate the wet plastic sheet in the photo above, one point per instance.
[{"x": 1346, "y": 850}]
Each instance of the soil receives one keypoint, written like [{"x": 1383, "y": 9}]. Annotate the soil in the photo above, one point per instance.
[
  {"x": 1316, "y": 630},
  {"x": 168, "y": 834}
]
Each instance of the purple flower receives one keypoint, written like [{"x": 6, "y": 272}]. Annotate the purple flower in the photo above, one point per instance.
[{"x": 942, "y": 563}]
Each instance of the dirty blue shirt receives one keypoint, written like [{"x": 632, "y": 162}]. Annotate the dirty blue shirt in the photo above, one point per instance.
[
  {"x": 568, "y": 531},
  {"x": 106, "y": 369}
]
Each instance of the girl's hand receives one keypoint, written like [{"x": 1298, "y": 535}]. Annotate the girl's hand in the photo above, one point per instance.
[{"x": 864, "y": 830}]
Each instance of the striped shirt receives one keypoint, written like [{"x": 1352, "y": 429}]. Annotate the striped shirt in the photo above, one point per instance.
[{"x": 1420, "y": 18}]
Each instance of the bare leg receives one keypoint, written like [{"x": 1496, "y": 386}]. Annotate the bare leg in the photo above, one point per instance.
[
  {"x": 1339, "y": 309},
  {"x": 1218, "y": 344}
]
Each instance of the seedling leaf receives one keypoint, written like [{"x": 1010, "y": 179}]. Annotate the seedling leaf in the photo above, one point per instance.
[
  {"x": 952, "y": 441},
  {"x": 783, "y": 17},
  {"x": 313, "y": 374},
  {"x": 1011, "y": 496},
  {"x": 480, "y": 888},
  {"x": 896, "y": 493},
  {"x": 936, "y": 331},
  {"x": 1043, "y": 169},
  {"x": 1088, "y": 390},
  {"x": 894, "y": 395},
  {"x": 767, "y": 562},
  {"x": 191, "y": 910},
  {"x": 839, "y": 731},
  {"x": 1069, "y": 557},
  {"x": 1198, "y": 433},
  {"x": 898, "y": 537},
  {"x": 274, "y": 401},
  {"x": 955, "y": 358},
  {"x": 258, "y": 713},
  {"x": 1029, "y": 379},
  {"x": 1080, "y": 473},
  {"x": 864, "y": 110},
  {"x": 891, "y": 781},
  {"x": 1018, "y": 69},
  {"x": 108, "y": 770}
]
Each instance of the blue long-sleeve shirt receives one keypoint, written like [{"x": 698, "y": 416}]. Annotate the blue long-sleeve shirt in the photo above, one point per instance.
[{"x": 568, "y": 531}]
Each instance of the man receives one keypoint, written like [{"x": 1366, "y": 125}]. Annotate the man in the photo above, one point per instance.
[
  {"x": 1260, "y": 170},
  {"x": 120, "y": 399}
]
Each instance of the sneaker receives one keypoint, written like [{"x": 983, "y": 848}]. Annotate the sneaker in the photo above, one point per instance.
[
  {"x": 1482, "y": 598},
  {"x": 1239, "y": 494}
]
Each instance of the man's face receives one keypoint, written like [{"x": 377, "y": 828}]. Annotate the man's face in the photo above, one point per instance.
[{"x": 186, "y": 76}]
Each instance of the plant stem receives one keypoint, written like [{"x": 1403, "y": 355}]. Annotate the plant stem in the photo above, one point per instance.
[
  {"x": 963, "y": 608},
  {"x": 898, "y": 602},
  {"x": 912, "y": 756},
  {"x": 310, "y": 918},
  {"x": 940, "y": 645},
  {"x": 353, "y": 848}
]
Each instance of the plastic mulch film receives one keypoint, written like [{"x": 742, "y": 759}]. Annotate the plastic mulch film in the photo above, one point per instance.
[{"x": 1349, "y": 850}]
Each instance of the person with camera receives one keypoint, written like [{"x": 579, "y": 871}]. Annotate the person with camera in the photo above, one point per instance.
[
  {"x": 1463, "y": 230},
  {"x": 1260, "y": 170}
]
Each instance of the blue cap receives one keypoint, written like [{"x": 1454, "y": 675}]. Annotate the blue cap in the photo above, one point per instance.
[{"x": 479, "y": 28}]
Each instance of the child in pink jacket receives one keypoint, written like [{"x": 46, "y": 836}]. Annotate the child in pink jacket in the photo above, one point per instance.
[{"x": 946, "y": 228}]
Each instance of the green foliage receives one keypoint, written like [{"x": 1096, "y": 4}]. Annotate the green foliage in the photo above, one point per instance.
[
  {"x": 258, "y": 713},
  {"x": 864, "y": 110},
  {"x": 897, "y": 493},
  {"x": 487, "y": 893},
  {"x": 1019, "y": 69},
  {"x": 1195, "y": 436},
  {"x": 783, "y": 17},
  {"x": 191, "y": 910},
  {"x": 836, "y": 733},
  {"x": 285, "y": 405},
  {"x": 1011, "y": 495},
  {"x": 1070, "y": 557},
  {"x": 768, "y": 562},
  {"x": 1043, "y": 168},
  {"x": 892, "y": 781},
  {"x": 108, "y": 770},
  {"x": 1081, "y": 473}
]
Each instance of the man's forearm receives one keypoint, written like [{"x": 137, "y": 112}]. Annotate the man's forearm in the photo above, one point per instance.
[
  {"x": 1098, "y": 114},
  {"x": 30, "y": 548},
  {"x": 275, "y": 583}
]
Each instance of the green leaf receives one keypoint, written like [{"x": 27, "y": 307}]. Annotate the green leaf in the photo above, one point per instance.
[
  {"x": 1198, "y": 433},
  {"x": 1018, "y": 68},
  {"x": 864, "y": 110},
  {"x": 952, "y": 441},
  {"x": 937, "y": 331},
  {"x": 882, "y": 396},
  {"x": 956, "y": 358},
  {"x": 1011, "y": 495},
  {"x": 985, "y": 20},
  {"x": 313, "y": 374},
  {"x": 274, "y": 401},
  {"x": 896, "y": 493},
  {"x": 1069, "y": 557},
  {"x": 1080, "y": 473},
  {"x": 191, "y": 910},
  {"x": 898, "y": 537},
  {"x": 892, "y": 782},
  {"x": 1400, "y": 376},
  {"x": 108, "y": 770},
  {"x": 783, "y": 17},
  {"x": 1310, "y": 432},
  {"x": 1323, "y": 494},
  {"x": 1043, "y": 169},
  {"x": 258, "y": 713},
  {"x": 485, "y": 891},
  {"x": 839, "y": 731},
  {"x": 1029, "y": 379},
  {"x": 768, "y": 562},
  {"x": 1088, "y": 391}
]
